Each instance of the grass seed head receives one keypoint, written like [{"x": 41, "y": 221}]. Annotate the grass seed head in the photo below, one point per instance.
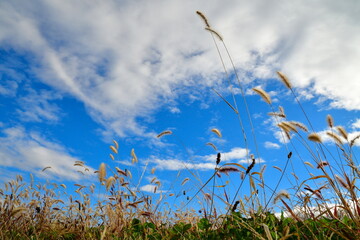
[
  {"x": 265, "y": 96},
  {"x": 284, "y": 79}
]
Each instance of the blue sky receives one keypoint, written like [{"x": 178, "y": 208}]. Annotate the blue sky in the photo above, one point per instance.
[{"x": 74, "y": 75}]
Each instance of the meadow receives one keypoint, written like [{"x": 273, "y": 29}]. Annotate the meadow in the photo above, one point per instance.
[{"x": 325, "y": 205}]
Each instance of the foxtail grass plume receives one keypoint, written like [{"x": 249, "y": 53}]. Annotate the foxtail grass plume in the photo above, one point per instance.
[
  {"x": 322, "y": 164},
  {"x": 109, "y": 182},
  {"x": 217, "y": 132},
  {"x": 114, "y": 149},
  {"x": 203, "y": 17},
  {"x": 45, "y": 168},
  {"x": 218, "y": 158},
  {"x": 352, "y": 142},
  {"x": 102, "y": 172},
  {"x": 314, "y": 137},
  {"x": 282, "y": 194},
  {"x": 265, "y": 96},
  {"x": 116, "y": 144},
  {"x": 284, "y": 79},
  {"x": 330, "y": 121},
  {"x": 335, "y": 137},
  {"x": 342, "y": 131},
  {"x": 212, "y": 145},
  {"x": 167, "y": 132}
]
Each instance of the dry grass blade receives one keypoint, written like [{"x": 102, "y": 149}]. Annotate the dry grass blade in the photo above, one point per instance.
[
  {"x": 284, "y": 79},
  {"x": 236, "y": 111},
  {"x": 267, "y": 231},
  {"x": 217, "y": 132},
  {"x": 276, "y": 167},
  {"x": 184, "y": 181},
  {"x": 45, "y": 168},
  {"x": 352, "y": 142},
  {"x": 109, "y": 182},
  {"x": 212, "y": 145},
  {"x": 214, "y": 32},
  {"x": 314, "y": 137},
  {"x": 335, "y": 137},
  {"x": 265, "y": 96},
  {"x": 343, "y": 132},
  {"x": 167, "y": 132}
]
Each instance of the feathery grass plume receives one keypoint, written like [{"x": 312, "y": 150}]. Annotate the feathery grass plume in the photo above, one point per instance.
[
  {"x": 116, "y": 144},
  {"x": 112, "y": 157},
  {"x": 128, "y": 173},
  {"x": 235, "y": 206},
  {"x": 227, "y": 169},
  {"x": 289, "y": 126},
  {"x": 212, "y": 145},
  {"x": 218, "y": 158},
  {"x": 322, "y": 164},
  {"x": 299, "y": 125},
  {"x": 45, "y": 168},
  {"x": 314, "y": 137},
  {"x": 217, "y": 132},
  {"x": 109, "y": 182},
  {"x": 251, "y": 165},
  {"x": 63, "y": 185},
  {"x": 114, "y": 149},
  {"x": 203, "y": 17},
  {"x": 309, "y": 164},
  {"x": 121, "y": 171},
  {"x": 330, "y": 121},
  {"x": 284, "y": 79},
  {"x": 207, "y": 196},
  {"x": 341, "y": 181},
  {"x": 263, "y": 94},
  {"x": 335, "y": 137},
  {"x": 352, "y": 142},
  {"x": 153, "y": 170},
  {"x": 214, "y": 32},
  {"x": 343, "y": 132},
  {"x": 134, "y": 157},
  {"x": 276, "y": 167},
  {"x": 167, "y": 132},
  {"x": 184, "y": 181},
  {"x": 282, "y": 194},
  {"x": 276, "y": 114},
  {"x": 102, "y": 172}
]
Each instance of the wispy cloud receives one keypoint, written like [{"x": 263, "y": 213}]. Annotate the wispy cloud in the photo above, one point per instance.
[
  {"x": 271, "y": 145},
  {"x": 125, "y": 71},
  {"x": 30, "y": 152}
]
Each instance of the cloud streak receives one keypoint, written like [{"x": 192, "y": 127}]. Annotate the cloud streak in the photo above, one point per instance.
[{"x": 123, "y": 61}]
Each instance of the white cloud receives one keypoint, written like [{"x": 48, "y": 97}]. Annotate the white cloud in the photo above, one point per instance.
[
  {"x": 175, "y": 164},
  {"x": 271, "y": 145},
  {"x": 122, "y": 60},
  {"x": 234, "y": 154},
  {"x": 37, "y": 107},
  {"x": 148, "y": 188},
  {"x": 31, "y": 153},
  {"x": 356, "y": 124}
]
